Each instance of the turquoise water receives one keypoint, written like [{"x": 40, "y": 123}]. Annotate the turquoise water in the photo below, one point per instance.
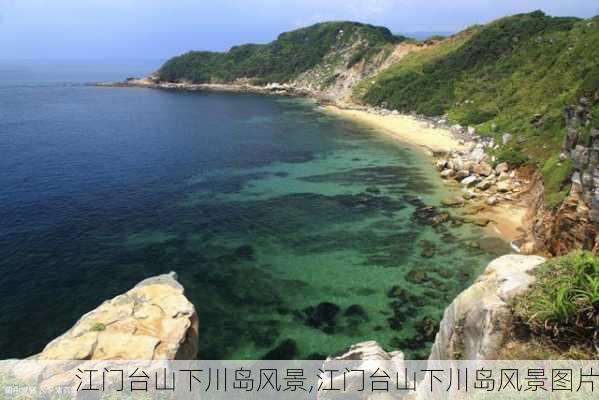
[{"x": 294, "y": 232}]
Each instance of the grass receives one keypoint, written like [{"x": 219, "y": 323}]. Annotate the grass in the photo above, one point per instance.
[
  {"x": 563, "y": 305},
  {"x": 556, "y": 176}
]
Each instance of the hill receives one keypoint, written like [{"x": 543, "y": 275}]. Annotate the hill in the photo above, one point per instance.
[
  {"x": 515, "y": 75},
  {"x": 324, "y": 46}
]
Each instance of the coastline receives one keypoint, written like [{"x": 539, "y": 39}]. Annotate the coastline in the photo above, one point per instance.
[
  {"x": 404, "y": 128},
  {"x": 507, "y": 219}
]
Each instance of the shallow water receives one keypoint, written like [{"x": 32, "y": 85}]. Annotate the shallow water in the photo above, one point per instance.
[{"x": 295, "y": 233}]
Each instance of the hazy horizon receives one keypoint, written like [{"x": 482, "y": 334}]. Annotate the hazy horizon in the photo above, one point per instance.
[{"x": 140, "y": 30}]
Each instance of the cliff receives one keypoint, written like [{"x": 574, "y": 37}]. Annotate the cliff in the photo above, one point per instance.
[
  {"x": 152, "y": 321},
  {"x": 478, "y": 321}
]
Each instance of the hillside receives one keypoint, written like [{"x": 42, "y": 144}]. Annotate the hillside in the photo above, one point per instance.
[
  {"x": 323, "y": 48},
  {"x": 514, "y": 75}
]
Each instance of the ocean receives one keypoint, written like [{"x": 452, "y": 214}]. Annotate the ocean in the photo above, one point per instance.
[{"x": 295, "y": 233}]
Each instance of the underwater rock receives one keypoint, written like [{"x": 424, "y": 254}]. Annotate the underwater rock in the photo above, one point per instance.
[
  {"x": 429, "y": 215},
  {"x": 428, "y": 248},
  {"x": 245, "y": 251},
  {"x": 356, "y": 311},
  {"x": 324, "y": 316},
  {"x": 453, "y": 201},
  {"x": 417, "y": 276},
  {"x": 286, "y": 350},
  {"x": 373, "y": 190},
  {"x": 427, "y": 327},
  {"x": 413, "y": 200}
]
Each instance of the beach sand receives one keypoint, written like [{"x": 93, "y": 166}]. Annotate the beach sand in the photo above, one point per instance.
[
  {"x": 508, "y": 220},
  {"x": 404, "y": 128}
]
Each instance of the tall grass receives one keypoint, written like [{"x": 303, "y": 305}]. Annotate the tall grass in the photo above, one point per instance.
[{"x": 564, "y": 302}]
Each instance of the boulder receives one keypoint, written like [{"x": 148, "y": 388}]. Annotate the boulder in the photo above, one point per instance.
[
  {"x": 457, "y": 163},
  {"x": 441, "y": 164},
  {"x": 470, "y": 181},
  {"x": 483, "y": 169},
  {"x": 478, "y": 321},
  {"x": 462, "y": 174},
  {"x": 502, "y": 168},
  {"x": 580, "y": 157},
  {"x": 484, "y": 185},
  {"x": 471, "y": 131},
  {"x": 492, "y": 200},
  {"x": 447, "y": 173},
  {"x": 506, "y": 138},
  {"x": 477, "y": 154},
  {"x": 504, "y": 186},
  {"x": 152, "y": 321},
  {"x": 457, "y": 129}
]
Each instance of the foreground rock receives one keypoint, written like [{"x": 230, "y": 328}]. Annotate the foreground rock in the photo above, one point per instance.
[
  {"x": 370, "y": 358},
  {"x": 477, "y": 322},
  {"x": 152, "y": 321}
]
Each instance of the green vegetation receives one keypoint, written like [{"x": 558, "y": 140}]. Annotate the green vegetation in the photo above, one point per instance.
[
  {"x": 283, "y": 59},
  {"x": 503, "y": 74},
  {"x": 557, "y": 175},
  {"x": 98, "y": 327},
  {"x": 563, "y": 306}
]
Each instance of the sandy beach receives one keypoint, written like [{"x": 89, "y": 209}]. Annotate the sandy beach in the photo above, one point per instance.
[
  {"x": 404, "y": 128},
  {"x": 508, "y": 220}
]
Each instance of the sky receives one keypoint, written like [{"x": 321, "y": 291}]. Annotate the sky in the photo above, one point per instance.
[{"x": 155, "y": 29}]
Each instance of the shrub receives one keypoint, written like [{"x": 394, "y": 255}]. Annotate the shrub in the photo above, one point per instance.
[{"x": 564, "y": 303}]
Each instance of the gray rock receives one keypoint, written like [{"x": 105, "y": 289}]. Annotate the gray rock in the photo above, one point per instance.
[
  {"x": 447, "y": 173},
  {"x": 580, "y": 157},
  {"x": 477, "y": 154},
  {"x": 458, "y": 163},
  {"x": 576, "y": 178},
  {"x": 470, "y": 181},
  {"x": 441, "y": 164},
  {"x": 462, "y": 174},
  {"x": 506, "y": 138},
  {"x": 457, "y": 129},
  {"x": 484, "y": 185},
  {"x": 492, "y": 200}
]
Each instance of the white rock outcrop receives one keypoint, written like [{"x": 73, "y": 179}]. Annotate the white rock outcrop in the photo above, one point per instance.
[
  {"x": 152, "y": 321},
  {"x": 477, "y": 322},
  {"x": 368, "y": 357}
]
